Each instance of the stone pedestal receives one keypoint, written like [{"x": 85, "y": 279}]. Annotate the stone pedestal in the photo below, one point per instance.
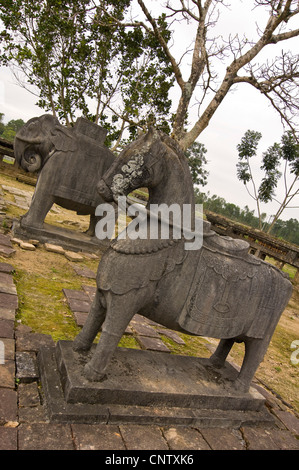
[
  {"x": 146, "y": 387},
  {"x": 68, "y": 239}
]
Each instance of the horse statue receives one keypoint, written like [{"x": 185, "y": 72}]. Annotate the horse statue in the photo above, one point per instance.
[{"x": 218, "y": 290}]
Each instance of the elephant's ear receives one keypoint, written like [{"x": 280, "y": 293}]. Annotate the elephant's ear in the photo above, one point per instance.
[{"x": 64, "y": 140}]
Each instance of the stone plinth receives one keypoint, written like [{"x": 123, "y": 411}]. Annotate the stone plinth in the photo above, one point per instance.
[{"x": 146, "y": 387}]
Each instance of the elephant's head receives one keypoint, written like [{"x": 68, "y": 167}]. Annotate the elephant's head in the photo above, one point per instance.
[{"x": 33, "y": 142}]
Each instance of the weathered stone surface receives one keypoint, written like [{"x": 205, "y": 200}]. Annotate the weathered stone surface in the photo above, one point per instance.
[
  {"x": 16, "y": 241},
  {"x": 269, "y": 439},
  {"x": 172, "y": 335},
  {"x": 90, "y": 290},
  {"x": 8, "y": 405},
  {"x": 8, "y": 438},
  {"x": 6, "y": 268},
  {"x": 84, "y": 272},
  {"x": 6, "y": 251},
  {"x": 219, "y": 440},
  {"x": 185, "y": 438},
  {"x": 27, "y": 246},
  {"x": 7, "y": 374},
  {"x": 76, "y": 294},
  {"x": 32, "y": 341},
  {"x": 8, "y": 301},
  {"x": 138, "y": 437},
  {"x": 144, "y": 387},
  {"x": 79, "y": 305},
  {"x": 9, "y": 349},
  {"x": 80, "y": 318},
  {"x": 97, "y": 437},
  {"x": 33, "y": 414},
  {"x": 27, "y": 370},
  {"x": 5, "y": 240},
  {"x": 6, "y": 328},
  {"x": 34, "y": 242},
  {"x": 50, "y": 436},
  {"x": 28, "y": 394},
  {"x": 7, "y": 285},
  {"x": 72, "y": 256},
  {"x": 289, "y": 420},
  {"x": 54, "y": 248},
  {"x": 7, "y": 314},
  {"x": 152, "y": 344},
  {"x": 144, "y": 330}
]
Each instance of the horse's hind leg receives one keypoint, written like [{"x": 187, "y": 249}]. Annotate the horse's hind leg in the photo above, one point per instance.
[
  {"x": 255, "y": 350},
  {"x": 94, "y": 321},
  {"x": 219, "y": 356}
]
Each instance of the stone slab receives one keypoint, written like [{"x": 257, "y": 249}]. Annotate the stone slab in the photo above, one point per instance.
[
  {"x": 26, "y": 365},
  {"x": 5, "y": 240},
  {"x": 77, "y": 305},
  {"x": 218, "y": 440},
  {"x": 144, "y": 330},
  {"x": 67, "y": 239},
  {"x": 27, "y": 246},
  {"x": 183, "y": 437},
  {"x": 8, "y": 405},
  {"x": 172, "y": 335},
  {"x": 54, "y": 248},
  {"x": 9, "y": 301},
  {"x": 6, "y": 268},
  {"x": 7, "y": 285},
  {"x": 7, "y": 328},
  {"x": 7, "y": 314},
  {"x": 80, "y": 318},
  {"x": 7, "y": 374},
  {"x": 145, "y": 387},
  {"x": 84, "y": 272},
  {"x": 76, "y": 294},
  {"x": 97, "y": 437},
  {"x": 73, "y": 256},
  {"x": 48, "y": 436},
  {"x": 9, "y": 348},
  {"x": 152, "y": 344},
  {"x": 32, "y": 341},
  {"x": 8, "y": 438},
  {"x": 6, "y": 251},
  {"x": 90, "y": 291},
  {"x": 138, "y": 437}
]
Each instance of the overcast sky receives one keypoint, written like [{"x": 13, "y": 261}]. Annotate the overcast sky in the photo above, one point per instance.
[{"x": 241, "y": 110}]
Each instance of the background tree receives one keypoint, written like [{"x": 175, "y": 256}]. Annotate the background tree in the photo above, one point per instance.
[
  {"x": 286, "y": 153},
  {"x": 196, "y": 159},
  {"x": 277, "y": 80},
  {"x": 77, "y": 62},
  {"x": 9, "y": 130},
  {"x": 81, "y": 50}
]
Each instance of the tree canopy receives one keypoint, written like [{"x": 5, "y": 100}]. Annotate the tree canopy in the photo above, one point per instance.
[
  {"x": 122, "y": 57},
  {"x": 9, "y": 130},
  {"x": 284, "y": 154}
]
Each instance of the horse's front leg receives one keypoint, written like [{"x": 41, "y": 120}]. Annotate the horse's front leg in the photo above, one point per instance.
[
  {"x": 94, "y": 321},
  {"x": 120, "y": 311}
]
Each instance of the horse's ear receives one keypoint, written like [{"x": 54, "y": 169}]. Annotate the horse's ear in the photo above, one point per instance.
[{"x": 152, "y": 134}]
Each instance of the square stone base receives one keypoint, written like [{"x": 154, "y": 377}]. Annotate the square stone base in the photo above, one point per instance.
[
  {"x": 68, "y": 239},
  {"x": 146, "y": 387}
]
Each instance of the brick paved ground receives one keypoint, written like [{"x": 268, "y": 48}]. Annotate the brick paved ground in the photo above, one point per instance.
[{"x": 24, "y": 424}]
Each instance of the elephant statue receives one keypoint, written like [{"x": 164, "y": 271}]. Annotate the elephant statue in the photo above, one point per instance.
[{"x": 69, "y": 161}]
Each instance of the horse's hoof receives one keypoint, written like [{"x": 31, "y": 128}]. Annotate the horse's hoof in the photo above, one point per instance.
[
  {"x": 80, "y": 346},
  {"x": 216, "y": 362},
  {"x": 92, "y": 374},
  {"x": 240, "y": 387}
]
